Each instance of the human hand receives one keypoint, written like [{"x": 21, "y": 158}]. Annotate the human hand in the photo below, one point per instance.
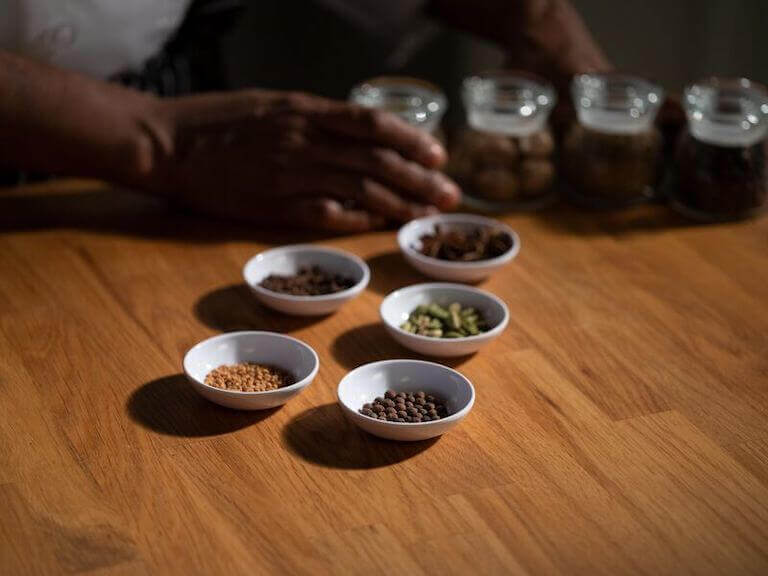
[{"x": 295, "y": 159}]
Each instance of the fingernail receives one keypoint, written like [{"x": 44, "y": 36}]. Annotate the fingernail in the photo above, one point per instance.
[
  {"x": 448, "y": 188},
  {"x": 437, "y": 152}
]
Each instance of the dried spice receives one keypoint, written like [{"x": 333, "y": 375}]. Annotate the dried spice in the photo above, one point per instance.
[
  {"x": 405, "y": 407},
  {"x": 504, "y": 168},
  {"x": 460, "y": 245},
  {"x": 248, "y": 377},
  {"x": 610, "y": 170},
  {"x": 721, "y": 181},
  {"x": 437, "y": 322},
  {"x": 309, "y": 281}
]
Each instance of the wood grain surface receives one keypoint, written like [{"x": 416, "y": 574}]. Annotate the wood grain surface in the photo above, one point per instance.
[{"x": 621, "y": 423}]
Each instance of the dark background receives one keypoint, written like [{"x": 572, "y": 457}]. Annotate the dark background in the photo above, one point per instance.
[{"x": 300, "y": 44}]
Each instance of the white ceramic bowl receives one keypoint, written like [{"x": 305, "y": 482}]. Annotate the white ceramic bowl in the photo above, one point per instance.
[
  {"x": 366, "y": 382},
  {"x": 288, "y": 260},
  {"x": 398, "y": 305},
  {"x": 409, "y": 239},
  {"x": 290, "y": 354}
]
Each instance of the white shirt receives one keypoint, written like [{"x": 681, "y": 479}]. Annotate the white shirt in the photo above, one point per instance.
[{"x": 96, "y": 37}]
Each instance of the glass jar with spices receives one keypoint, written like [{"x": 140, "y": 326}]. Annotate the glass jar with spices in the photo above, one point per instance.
[
  {"x": 416, "y": 101},
  {"x": 721, "y": 159},
  {"x": 611, "y": 155},
  {"x": 504, "y": 158}
]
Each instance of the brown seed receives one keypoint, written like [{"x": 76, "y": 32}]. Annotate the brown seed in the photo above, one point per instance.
[
  {"x": 389, "y": 402},
  {"x": 420, "y": 401},
  {"x": 401, "y": 419},
  {"x": 426, "y": 419},
  {"x": 248, "y": 377},
  {"x": 419, "y": 394},
  {"x": 402, "y": 413},
  {"x": 389, "y": 394},
  {"x": 429, "y": 406}
]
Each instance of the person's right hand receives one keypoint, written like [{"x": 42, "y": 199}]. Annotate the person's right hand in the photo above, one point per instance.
[{"x": 295, "y": 159}]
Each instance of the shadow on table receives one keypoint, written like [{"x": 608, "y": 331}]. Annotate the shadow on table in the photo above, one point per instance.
[
  {"x": 390, "y": 271},
  {"x": 123, "y": 212},
  {"x": 234, "y": 307},
  {"x": 323, "y": 436},
  {"x": 567, "y": 219},
  {"x": 171, "y": 407},
  {"x": 371, "y": 343}
]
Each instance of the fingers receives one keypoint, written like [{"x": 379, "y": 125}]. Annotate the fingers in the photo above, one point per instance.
[
  {"x": 329, "y": 215},
  {"x": 383, "y": 129},
  {"x": 367, "y": 192},
  {"x": 387, "y": 166}
]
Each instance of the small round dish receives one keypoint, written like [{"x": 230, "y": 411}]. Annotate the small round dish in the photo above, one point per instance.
[
  {"x": 409, "y": 240},
  {"x": 366, "y": 382},
  {"x": 288, "y": 260},
  {"x": 290, "y": 354},
  {"x": 398, "y": 305}
]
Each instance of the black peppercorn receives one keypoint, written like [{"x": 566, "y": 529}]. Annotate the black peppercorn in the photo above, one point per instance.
[{"x": 404, "y": 408}]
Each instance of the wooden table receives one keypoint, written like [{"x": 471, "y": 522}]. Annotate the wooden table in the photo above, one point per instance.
[{"x": 620, "y": 424}]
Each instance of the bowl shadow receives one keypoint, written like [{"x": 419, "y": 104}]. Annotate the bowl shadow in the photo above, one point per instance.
[
  {"x": 323, "y": 436},
  {"x": 170, "y": 406},
  {"x": 390, "y": 271},
  {"x": 234, "y": 307},
  {"x": 371, "y": 343}
]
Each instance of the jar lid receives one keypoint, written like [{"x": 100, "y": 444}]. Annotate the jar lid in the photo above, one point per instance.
[
  {"x": 416, "y": 101},
  {"x": 616, "y": 103},
  {"x": 508, "y": 102},
  {"x": 727, "y": 111}
]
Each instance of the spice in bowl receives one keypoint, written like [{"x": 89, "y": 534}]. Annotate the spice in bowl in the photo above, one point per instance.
[
  {"x": 437, "y": 322},
  {"x": 248, "y": 377},
  {"x": 458, "y": 245},
  {"x": 309, "y": 281},
  {"x": 405, "y": 407}
]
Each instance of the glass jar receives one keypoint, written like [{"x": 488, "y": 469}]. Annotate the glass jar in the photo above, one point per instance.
[
  {"x": 416, "y": 101},
  {"x": 721, "y": 159},
  {"x": 611, "y": 155},
  {"x": 504, "y": 158}
]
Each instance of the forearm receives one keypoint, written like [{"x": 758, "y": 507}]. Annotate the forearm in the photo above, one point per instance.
[
  {"x": 60, "y": 122},
  {"x": 547, "y": 36}
]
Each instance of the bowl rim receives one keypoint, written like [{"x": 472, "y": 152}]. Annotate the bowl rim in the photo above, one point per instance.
[
  {"x": 492, "y": 333},
  {"x": 239, "y": 334},
  {"x": 458, "y": 218},
  {"x": 290, "y": 248},
  {"x": 450, "y": 418}
]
